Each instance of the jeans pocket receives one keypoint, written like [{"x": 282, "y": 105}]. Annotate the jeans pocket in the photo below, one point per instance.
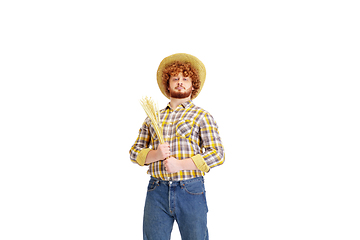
[
  {"x": 194, "y": 188},
  {"x": 152, "y": 186}
]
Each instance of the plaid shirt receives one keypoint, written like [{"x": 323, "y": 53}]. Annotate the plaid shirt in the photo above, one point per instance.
[{"x": 191, "y": 133}]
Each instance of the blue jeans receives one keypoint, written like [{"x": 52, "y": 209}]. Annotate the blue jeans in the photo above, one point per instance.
[{"x": 183, "y": 201}]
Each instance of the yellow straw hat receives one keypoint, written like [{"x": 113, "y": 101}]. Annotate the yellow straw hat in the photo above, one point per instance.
[{"x": 185, "y": 58}]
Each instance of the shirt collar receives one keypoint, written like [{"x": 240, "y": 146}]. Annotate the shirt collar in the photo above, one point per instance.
[
  {"x": 184, "y": 105},
  {"x": 187, "y": 104}
]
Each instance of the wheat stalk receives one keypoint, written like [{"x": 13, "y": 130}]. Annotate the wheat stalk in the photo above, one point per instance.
[{"x": 152, "y": 111}]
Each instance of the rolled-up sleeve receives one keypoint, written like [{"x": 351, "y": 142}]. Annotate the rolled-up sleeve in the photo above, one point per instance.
[
  {"x": 140, "y": 149},
  {"x": 213, "y": 154}
]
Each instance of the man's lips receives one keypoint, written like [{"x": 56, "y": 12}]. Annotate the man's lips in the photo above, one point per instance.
[{"x": 179, "y": 88}]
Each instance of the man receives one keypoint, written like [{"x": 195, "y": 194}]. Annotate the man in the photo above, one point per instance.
[{"x": 193, "y": 146}]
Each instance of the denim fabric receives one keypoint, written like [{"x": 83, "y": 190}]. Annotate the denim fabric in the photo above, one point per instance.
[{"x": 183, "y": 201}]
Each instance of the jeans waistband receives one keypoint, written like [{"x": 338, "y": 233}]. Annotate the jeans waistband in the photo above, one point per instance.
[{"x": 197, "y": 179}]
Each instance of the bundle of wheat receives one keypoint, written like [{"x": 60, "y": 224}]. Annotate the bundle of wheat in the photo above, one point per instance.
[{"x": 152, "y": 111}]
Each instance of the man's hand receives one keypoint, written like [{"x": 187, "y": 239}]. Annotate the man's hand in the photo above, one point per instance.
[
  {"x": 172, "y": 165},
  {"x": 163, "y": 151}
]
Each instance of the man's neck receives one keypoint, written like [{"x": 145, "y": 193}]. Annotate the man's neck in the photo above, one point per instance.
[{"x": 174, "y": 102}]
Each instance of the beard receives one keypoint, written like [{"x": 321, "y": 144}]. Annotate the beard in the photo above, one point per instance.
[{"x": 183, "y": 94}]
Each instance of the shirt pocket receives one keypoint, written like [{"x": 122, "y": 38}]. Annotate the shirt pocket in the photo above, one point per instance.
[{"x": 184, "y": 128}]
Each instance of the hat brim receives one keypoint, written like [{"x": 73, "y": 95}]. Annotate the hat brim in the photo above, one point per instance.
[{"x": 185, "y": 58}]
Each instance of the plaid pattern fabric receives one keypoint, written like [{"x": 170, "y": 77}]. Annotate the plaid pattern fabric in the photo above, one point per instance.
[{"x": 190, "y": 131}]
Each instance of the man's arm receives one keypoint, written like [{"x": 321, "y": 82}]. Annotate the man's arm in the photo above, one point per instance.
[
  {"x": 214, "y": 154},
  {"x": 173, "y": 165},
  {"x": 140, "y": 149},
  {"x": 140, "y": 152}
]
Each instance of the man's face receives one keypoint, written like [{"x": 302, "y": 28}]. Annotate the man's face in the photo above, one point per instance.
[{"x": 180, "y": 86}]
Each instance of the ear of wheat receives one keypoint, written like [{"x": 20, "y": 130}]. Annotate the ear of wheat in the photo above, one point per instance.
[{"x": 152, "y": 111}]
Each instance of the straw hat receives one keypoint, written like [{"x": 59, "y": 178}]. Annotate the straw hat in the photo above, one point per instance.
[{"x": 185, "y": 58}]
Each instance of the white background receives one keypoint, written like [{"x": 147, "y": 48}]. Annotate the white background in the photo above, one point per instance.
[{"x": 282, "y": 84}]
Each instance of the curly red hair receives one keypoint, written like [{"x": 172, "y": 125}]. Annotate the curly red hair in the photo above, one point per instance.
[{"x": 187, "y": 70}]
